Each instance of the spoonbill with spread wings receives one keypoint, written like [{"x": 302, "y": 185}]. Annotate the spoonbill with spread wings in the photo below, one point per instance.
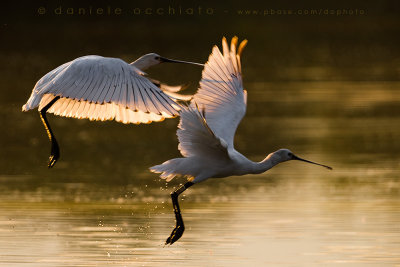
[
  {"x": 207, "y": 128},
  {"x": 103, "y": 88}
]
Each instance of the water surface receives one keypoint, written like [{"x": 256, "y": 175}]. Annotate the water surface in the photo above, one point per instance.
[
  {"x": 82, "y": 213},
  {"x": 326, "y": 87}
]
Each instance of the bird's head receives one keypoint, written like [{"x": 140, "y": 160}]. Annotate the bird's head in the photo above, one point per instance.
[
  {"x": 284, "y": 154},
  {"x": 147, "y": 61},
  {"x": 152, "y": 59}
]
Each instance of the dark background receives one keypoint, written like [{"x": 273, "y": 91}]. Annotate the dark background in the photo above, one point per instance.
[{"x": 282, "y": 48}]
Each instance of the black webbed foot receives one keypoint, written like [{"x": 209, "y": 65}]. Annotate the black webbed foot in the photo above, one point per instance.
[
  {"x": 54, "y": 154},
  {"x": 55, "y": 151},
  {"x": 53, "y": 159},
  {"x": 180, "y": 227},
  {"x": 175, "y": 235}
]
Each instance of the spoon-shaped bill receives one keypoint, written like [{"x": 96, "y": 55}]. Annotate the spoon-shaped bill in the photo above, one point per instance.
[
  {"x": 297, "y": 158},
  {"x": 163, "y": 59}
]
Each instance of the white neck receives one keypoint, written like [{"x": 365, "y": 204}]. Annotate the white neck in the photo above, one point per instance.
[{"x": 265, "y": 164}]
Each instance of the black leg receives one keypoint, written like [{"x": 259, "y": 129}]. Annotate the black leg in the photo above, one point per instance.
[
  {"x": 179, "y": 228},
  {"x": 55, "y": 150}
]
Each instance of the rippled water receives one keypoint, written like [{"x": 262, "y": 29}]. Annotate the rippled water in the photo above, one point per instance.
[
  {"x": 326, "y": 87},
  {"x": 295, "y": 214}
]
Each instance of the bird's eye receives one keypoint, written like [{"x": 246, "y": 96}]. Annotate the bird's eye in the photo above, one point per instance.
[
  {"x": 290, "y": 154},
  {"x": 157, "y": 58}
]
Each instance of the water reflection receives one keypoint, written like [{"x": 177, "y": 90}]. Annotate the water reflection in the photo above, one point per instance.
[
  {"x": 305, "y": 221},
  {"x": 101, "y": 206}
]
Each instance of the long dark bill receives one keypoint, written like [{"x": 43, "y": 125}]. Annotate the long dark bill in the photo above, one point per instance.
[
  {"x": 297, "y": 158},
  {"x": 179, "y": 61}
]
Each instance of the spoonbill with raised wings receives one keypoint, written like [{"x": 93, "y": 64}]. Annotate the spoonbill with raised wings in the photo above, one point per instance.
[{"x": 207, "y": 128}]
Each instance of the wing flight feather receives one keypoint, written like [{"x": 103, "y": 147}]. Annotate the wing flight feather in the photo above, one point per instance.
[
  {"x": 221, "y": 92},
  {"x": 100, "y": 88}
]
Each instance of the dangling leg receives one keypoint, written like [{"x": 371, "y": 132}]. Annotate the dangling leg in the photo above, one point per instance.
[
  {"x": 179, "y": 228},
  {"x": 55, "y": 151}
]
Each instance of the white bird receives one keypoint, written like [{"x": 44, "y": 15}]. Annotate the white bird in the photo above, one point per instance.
[
  {"x": 207, "y": 128},
  {"x": 103, "y": 88}
]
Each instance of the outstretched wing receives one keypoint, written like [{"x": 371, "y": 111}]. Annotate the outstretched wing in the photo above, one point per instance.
[
  {"x": 221, "y": 93},
  {"x": 101, "y": 88},
  {"x": 196, "y": 138}
]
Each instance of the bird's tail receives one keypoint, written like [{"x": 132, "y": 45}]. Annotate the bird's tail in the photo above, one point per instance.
[{"x": 172, "y": 168}]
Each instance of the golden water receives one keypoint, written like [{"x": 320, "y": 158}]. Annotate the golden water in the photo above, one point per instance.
[{"x": 101, "y": 206}]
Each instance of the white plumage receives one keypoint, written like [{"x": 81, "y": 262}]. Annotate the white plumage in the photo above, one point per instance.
[
  {"x": 101, "y": 88},
  {"x": 207, "y": 128},
  {"x": 201, "y": 148}
]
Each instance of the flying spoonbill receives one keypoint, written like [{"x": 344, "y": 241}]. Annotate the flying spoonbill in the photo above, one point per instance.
[
  {"x": 104, "y": 88},
  {"x": 207, "y": 128}
]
